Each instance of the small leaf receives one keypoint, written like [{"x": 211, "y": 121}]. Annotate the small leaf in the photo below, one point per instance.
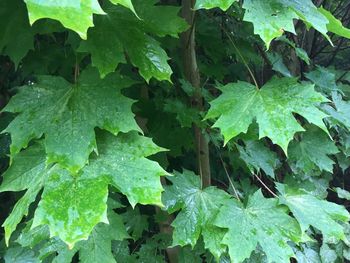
[
  {"x": 342, "y": 193},
  {"x": 311, "y": 154},
  {"x": 335, "y": 26},
  {"x": 257, "y": 156},
  {"x": 125, "y": 32},
  {"x": 16, "y": 35},
  {"x": 323, "y": 79},
  {"x": 208, "y": 4},
  {"x": 270, "y": 18}
]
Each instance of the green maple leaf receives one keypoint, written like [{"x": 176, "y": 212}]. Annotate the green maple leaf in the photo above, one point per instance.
[
  {"x": 120, "y": 162},
  {"x": 272, "y": 106},
  {"x": 126, "y": 3},
  {"x": 198, "y": 208},
  {"x": 262, "y": 221},
  {"x": 311, "y": 211},
  {"x": 341, "y": 110},
  {"x": 276, "y": 18},
  {"x": 324, "y": 79},
  {"x": 124, "y": 161},
  {"x": 16, "y": 35},
  {"x": 272, "y": 18},
  {"x": 125, "y": 32},
  {"x": 208, "y": 4},
  {"x": 27, "y": 172},
  {"x": 71, "y": 205},
  {"x": 73, "y": 14},
  {"x": 311, "y": 154},
  {"x": 335, "y": 26},
  {"x": 72, "y": 111},
  {"x": 98, "y": 248},
  {"x": 257, "y": 156}
]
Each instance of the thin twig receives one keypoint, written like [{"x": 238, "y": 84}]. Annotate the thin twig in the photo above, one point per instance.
[
  {"x": 266, "y": 187},
  {"x": 226, "y": 172},
  {"x": 229, "y": 179},
  {"x": 239, "y": 54},
  {"x": 243, "y": 59}
]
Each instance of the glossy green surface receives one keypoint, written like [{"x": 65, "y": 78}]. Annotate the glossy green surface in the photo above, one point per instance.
[
  {"x": 270, "y": 18},
  {"x": 76, "y": 15},
  {"x": 72, "y": 206},
  {"x": 198, "y": 209},
  {"x": 127, "y": 33},
  {"x": 310, "y": 155},
  {"x": 272, "y": 107},
  {"x": 27, "y": 172},
  {"x": 325, "y": 215},
  {"x": 123, "y": 160},
  {"x": 208, "y": 4},
  {"x": 262, "y": 221},
  {"x": 72, "y": 113}
]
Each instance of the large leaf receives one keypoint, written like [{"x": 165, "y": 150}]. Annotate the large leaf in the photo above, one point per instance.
[
  {"x": 72, "y": 111},
  {"x": 262, "y": 221},
  {"x": 122, "y": 163},
  {"x": 125, "y": 32},
  {"x": 272, "y": 106},
  {"x": 311, "y": 154},
  {"x": 208, "y": 4},
  {"x": 71, "y": 205},
  {"x": 73, "y": 14},
  {"x": 198, "y": 208},
  {"x": 311, "y": 211}
]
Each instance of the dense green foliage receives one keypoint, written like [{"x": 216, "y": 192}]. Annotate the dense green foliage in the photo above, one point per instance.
[{"x": 175, "y": 131}]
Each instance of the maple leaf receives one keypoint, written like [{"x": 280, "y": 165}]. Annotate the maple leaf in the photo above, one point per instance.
[
  {"x": 262, "y": 221},
  {"x": 311, "y": 154},
  {"x": 16, "y": 35},
  {"x": 71, "y": 205},
  {"x": 208, "y": 4},
  {"x": 73, "y": 14},
  {"x": 72, "y": 112},
  {"x": 311, "y": 211},
  {"x": 272, "y": 18},
  {"x": 272, "y": 106},
  {"x": 198, "y": 209},
  {"x": 125, "y": 32}
]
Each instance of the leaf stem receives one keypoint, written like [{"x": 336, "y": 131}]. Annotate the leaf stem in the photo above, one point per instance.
[{"x": 266, "y": 187}]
